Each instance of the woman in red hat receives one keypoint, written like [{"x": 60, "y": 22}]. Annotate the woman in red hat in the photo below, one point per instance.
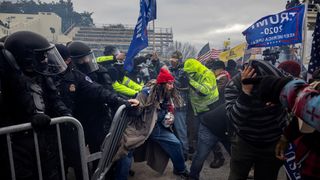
[{"x": 157, "y": 103}]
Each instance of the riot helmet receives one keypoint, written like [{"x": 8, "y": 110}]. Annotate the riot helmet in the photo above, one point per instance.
[
  {"x": 82, "y": 57},
  {"x": 33, "y": 53},
  {"x": 111, "y": 50}
]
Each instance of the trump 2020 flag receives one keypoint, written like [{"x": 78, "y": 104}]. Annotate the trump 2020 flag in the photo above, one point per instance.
[
  {"x": 140, "y": 37},
  {"x": 277, "y": 30}
]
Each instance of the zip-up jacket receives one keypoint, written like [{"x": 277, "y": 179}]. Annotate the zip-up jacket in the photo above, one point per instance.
[
  {"x": 203, "y": 86},
  {"x": 254, "y": 121}
]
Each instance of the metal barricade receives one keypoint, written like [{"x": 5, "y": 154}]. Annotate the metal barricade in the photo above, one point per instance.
[
  {"x": 55, "y": 121},
  {"x": 110, "y": 144}
]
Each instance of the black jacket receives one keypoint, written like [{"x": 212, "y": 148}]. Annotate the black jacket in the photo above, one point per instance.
[
  {"x": 19, "y": 103},
  {"x": 87, "y": 101}
]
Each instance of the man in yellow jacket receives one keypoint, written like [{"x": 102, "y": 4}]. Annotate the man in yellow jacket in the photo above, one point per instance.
[
  {"x": 203, "y": 86},
  {"x": 204, "y": 97}
]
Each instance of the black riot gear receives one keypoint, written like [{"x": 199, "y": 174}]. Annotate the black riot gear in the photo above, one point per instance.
[
  {"x": 29, "y": 95},
  {"x": 111, "y": 50},
  {"x": 33, "y": 53},
  {"x": 82, "y": 57}
]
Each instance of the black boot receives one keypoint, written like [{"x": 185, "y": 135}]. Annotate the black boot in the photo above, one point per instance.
[{"x": 217, "y": 162}]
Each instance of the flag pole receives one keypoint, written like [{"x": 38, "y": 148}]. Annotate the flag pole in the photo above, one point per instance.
[
  {"x": 154, "y": 36},
  {"x": 305, "y": 29}
]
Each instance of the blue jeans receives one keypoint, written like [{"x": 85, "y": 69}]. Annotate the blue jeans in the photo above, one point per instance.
[
  {"x": 180, "y": 126},
  {"x": 206, "y": 142},
  {"x": 170, "y": 144},
  {"x": 123, "y": 167}
]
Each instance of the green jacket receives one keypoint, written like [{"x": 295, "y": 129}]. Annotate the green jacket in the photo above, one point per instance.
[
  {"x": 203, "y": 86},
  {"x": 127, "y": 87}
]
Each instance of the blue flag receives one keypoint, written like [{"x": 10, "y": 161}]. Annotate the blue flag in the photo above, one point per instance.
[
  {"x": 276, "y": 30},
  {"x": 140, "y": 36},
  {"x": 291, "y": 167}
]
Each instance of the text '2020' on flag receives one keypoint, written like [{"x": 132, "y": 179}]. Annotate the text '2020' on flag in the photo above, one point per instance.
[
  {"x": 148, "y": 12},
  {"x": 276, "y": 30}
]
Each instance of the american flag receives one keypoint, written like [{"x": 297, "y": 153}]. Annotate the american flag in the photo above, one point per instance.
[
  {"x": 314, "y": 63},
  {"x": 255, "y": 51},
  {"x": 212, "y": 54}
]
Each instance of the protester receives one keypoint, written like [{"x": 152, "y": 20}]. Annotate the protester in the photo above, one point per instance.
[
  {"x": 291, "y": 68},
  {"x": 155, "y": 65},
  {"x": 223, "y": 78},
  {"x": 158, "y": 101},
  {"x": 303, "y": 100},
  {"x": 181, "y": 84},
  {"x": 258, "y": 126},
  {"x": 232, "y": 67},
  {"x": 204, "y": 97},
  {"x": 140, "y": 72}
]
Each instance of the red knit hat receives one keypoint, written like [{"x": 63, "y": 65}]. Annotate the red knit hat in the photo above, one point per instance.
[
  {"x": 291, "y": 67},
  {"x": 164, "y": 76}
]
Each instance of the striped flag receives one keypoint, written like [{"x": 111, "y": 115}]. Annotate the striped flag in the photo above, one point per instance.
[
  {"x": 255, "y": 51},
  {"x": 215, "y": 53},
  {"x": 205, "y": 49},
  {"x": 211, "y": 54}
]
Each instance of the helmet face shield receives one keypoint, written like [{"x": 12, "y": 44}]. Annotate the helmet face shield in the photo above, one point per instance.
[
  {"x": 86, "y": 64},
  {"x": 49, "y": 62}
]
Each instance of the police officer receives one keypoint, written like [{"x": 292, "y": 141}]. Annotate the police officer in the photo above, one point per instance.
[
  {"x": 85, "y": 61},
  {"x": 29, "y": 95},
  {"x": 86, "y": 99},
  {"x": 113, "y": 59}
]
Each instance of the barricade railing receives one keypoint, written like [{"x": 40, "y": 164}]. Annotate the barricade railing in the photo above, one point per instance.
[
  {"x": 55, "y": 121},
  {"x": 111, "y": 143}
]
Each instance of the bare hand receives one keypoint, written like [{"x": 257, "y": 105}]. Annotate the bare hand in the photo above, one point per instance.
[
  {"x": 121, "y": 56},
  {"x": 281, "y": 146},
  {"x": 134, "y": 102},
  {"x": 248, "y": 72}
]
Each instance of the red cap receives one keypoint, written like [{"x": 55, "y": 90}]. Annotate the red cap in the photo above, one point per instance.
[
  {"x": 164, "y": 76},
  {"x": 291, "y": 67}
]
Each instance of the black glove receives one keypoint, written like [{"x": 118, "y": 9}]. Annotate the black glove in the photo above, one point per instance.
[
  {"x": 124, "y": 101},
  {"x": 40, "y": 121},
  {"x": 268, "y": 87},
  {"x": 113, "y": 73}
]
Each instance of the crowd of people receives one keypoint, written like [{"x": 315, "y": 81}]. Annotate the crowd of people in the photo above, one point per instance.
[{"x": 180, "y": 110}]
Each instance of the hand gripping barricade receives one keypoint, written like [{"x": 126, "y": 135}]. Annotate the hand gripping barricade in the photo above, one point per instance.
[
  {"x": 109, "y": 146},
  {"x": 55, "y": 121},
  {"x": 111, "y": 143}
]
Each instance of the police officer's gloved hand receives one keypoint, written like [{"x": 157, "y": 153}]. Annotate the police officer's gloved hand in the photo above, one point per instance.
[
  {"x": 123, "y": 101},
  {"x": 40, "y": 121},
  {"x": 268, "y": 87}
]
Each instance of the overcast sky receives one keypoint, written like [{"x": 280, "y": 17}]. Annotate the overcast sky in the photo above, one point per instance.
[{"x": 194, "y": 21}]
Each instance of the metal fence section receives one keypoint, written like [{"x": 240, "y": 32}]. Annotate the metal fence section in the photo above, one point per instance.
[
  {"x": 55, "y": 121},
  {"x": 110, "y": 144}
]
